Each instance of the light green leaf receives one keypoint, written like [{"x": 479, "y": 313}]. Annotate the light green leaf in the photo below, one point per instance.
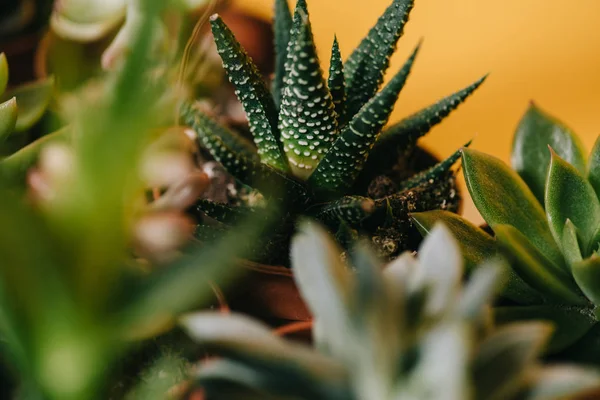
[
  {"x": 32, "y": 100},
  {"x": 587, "y": 275},
  {"x": 476, "y": 247},
  {"x": 8, "y": 118},
  {"x": 502, "y": 197},
  {"x": 484, "y": 284},
  {"x": 594, "y": 167},
  {"x": 570, "y": 243},
  {"x": 535, "y": 269},
  {"x": 570, "y": 323},
  {"x": 562, "y": 382},
  {"x": 503, "y": 358},
  {"x": 570, "y": 196},
  {"x": 530, "y": 157},
  {"x": 3, "y": 73}
]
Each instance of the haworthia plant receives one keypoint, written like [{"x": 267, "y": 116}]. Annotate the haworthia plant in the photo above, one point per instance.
[
  {"x": 321, "y": 146},
  {"x": 411, "y": 330},
  {"x": 546, "y": 218}
]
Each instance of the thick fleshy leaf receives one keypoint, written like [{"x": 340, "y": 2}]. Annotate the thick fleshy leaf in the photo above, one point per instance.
[
  {"x": 570, "y": 196},
  {"x": 406, "y": 132},
  {"x": 366, "y": 66},
  {"x": 325, "y": 284},
  {"x": 530, "y": 157},
  {"x": 587, "y": 276},
  {"x": 252, "y": 93},
  {"x": 32, "y": 101},
  {"x": 535, "y": 269},
  {"x": 563, "y": 382},
  {"x": 282, "y": 26},
  {"x": 8, "y": 118},
  {"x": 344, "y": 161},
  {"x": 3, "y": 73},
  {"x": 336, "y": 83},
  {"x": 476, "y": 247},
  {"x": 307, "y": 118},
  {"x": 349, "y": 209},
  {"x": 504, "y": 357},
  {"x": 593, "y": 172},
  {"x": 502, "y": 197},
  {"x": 569, "y": 323},
  {"x": 570, "y": 243}
]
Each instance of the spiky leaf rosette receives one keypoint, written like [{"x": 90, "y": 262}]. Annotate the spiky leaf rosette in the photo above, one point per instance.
[
  {"x": 411, "y": 330},
  {"x": 316, "y": 134},
  {"x": 553, "y": 243}
]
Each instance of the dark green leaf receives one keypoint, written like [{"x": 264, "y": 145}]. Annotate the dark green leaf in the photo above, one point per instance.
[
  {"x": 336, "y": 83},
  {"x": 338, "y": 170},
  {"x": 307, "y": 118},
  {"x": 530, "y": 158},
  {"x": 587, "y": 276},
  {"x": 349, "y": 209},
  {"x": 223, "y": 212},
  {"x": 282, "y": 26},
  {"x": 476, "y": 247},
  {"x": 433, "y": 173},
  {"x": 32, "y": 101},
  {"x": 3, "y": 73},
  {"x": 252, "y": 93},
  {"x": 570, "y": 196},
  {"x": 594, "y": 167},
  {"x": 535, "y": 269},
  {"x": 570, "y": 323},
  {"x": 502, "y": 197},
  {"x": 8, "y": 118},
  {"x": 366, "y": 66}
]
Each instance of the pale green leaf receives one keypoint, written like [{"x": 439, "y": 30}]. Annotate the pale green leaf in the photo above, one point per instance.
[
  {"x": 32, "y": 101},
  {"x": 587, "y": 276},
  {"x": 8, "y": 118}
]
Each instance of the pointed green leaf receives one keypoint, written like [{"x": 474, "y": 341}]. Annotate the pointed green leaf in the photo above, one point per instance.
[
  {"x": 570, "y": 196},
  {"x": 502, "y": 197},
  {"x": 3, "y": 73},
  {"x": 340, "y": 167},
  {"x": 32, "y": 101},
  {"x": 484, "y": 284},
  {"x": 570, "y": 323},
  {"x": 535, "y": 269},
  {"x": 222, "y": 212},
  {"x": 503, "y": 359},
  {"x": 307, "y": 119},
  {"x": 530, "y": 158},
  {"x": 432, "y": 173},
  {"x": 366, "y": 66},
  {"x": 587, "y": 276},
  {"x": 476, "y": 247},
  {"x": 8, "y": 118},
  {"x": 336, "y": 83},
  {"x": 351, "y": 210},
  {"x": 406, "y": 132},
  {"x": 282, "y": 26},
  {"x": 252, "y": 93},
  {"x": 594, "y": 167},
  {"x": 570, "y": 243}
]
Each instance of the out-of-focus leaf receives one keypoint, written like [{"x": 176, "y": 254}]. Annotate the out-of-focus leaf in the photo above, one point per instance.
[
  {"x": 504, "y": 357},
  {"x": 8, "y": 118},
  {"x": 477, "y": 247},
  {"x": 593, "y": 172},
  {"x": 587, "y": 275},
  {"x": 32, "y": 101},
  {"x": 570, "y": 196},
  {"x": 3, "y": 73},
  {"x": 502, "y": 197},
  {"x": 483, "y": 286},
  {"x": 530, "y": 158},
  {"x": 570, "y": 323},
  {"x": 535, "y": 269},
  {"x": 563, "y": 382}
]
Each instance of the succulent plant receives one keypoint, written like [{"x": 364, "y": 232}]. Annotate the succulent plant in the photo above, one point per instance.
[
  {"x": 411, "y": 330},
  {"x": 319, "y": 145},
  {"x": 545, "y": 216}
]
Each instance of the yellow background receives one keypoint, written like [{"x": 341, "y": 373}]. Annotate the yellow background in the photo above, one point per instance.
[{"x": 542, "y": 50}]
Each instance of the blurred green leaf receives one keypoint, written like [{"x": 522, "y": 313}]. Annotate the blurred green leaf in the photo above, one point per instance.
[
  {"x": 3, "y": 73},
  {"x": 483, "y": 286},
  {"x": 587, "y": 275},
  {"x": 32, "y": 101},
  {"x": 570, "y": 196},
  {"x": 8, "y": 118},
  {"x": 538, "y": 130},
  {"x": 562, "y": 382},
  {"x": 535, "y": 269},
  {"x": 502, "y": 197},
  {"x": 594, "y": 167},
  {"x": 570, "y": 323}
]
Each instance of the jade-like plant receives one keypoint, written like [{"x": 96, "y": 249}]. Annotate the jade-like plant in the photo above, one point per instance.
[
  {"x": 319, "y": 144},
  {"x": 411, "y": 330},
  {"x": 545, "y": 216}
]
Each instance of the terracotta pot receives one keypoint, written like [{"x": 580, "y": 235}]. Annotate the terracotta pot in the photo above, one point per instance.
[{"x": 270, "y": 293}]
